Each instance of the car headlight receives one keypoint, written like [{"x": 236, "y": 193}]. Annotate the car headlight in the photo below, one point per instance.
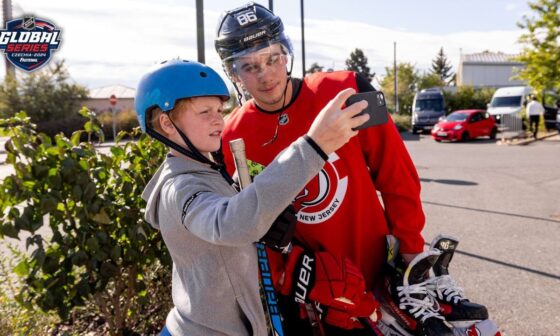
[{"x": 458, "y": 127}]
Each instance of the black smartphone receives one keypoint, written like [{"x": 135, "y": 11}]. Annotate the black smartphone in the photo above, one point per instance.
[{"x": 377, "y": 108}]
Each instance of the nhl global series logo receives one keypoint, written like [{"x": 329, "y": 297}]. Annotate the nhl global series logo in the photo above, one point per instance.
[{"x": 29, "y": 41}]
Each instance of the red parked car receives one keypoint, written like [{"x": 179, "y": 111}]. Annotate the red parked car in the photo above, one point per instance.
[{"x": 464, "y": 125}]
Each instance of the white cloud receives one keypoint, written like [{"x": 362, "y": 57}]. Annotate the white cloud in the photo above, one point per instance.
[
  {"x": 110, "y": 42},
  {"x": 332, "y": 41},
  {"x": 510, "y": 7}
]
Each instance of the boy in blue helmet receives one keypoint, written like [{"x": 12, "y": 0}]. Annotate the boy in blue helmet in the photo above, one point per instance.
[{"x": 207, "y": 225}]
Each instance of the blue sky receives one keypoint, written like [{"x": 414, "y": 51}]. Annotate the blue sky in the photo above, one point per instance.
[{"x": 107, "y": 42}]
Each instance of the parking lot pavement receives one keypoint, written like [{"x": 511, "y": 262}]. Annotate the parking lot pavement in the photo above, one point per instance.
[{"x": 501, "y": 202}]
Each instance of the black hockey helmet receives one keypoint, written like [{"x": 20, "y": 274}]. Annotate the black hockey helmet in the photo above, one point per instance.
[{"x": 246, "y": 29}]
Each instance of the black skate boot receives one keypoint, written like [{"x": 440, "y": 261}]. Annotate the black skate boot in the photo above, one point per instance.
[
  {"x": 453, "y": 305},
  {"x": 405, "y": 296}
]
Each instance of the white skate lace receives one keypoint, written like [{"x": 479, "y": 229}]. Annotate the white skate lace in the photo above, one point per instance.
[
  {"x": 445, "y": 288},
  {"x": 420, "y": 309}
]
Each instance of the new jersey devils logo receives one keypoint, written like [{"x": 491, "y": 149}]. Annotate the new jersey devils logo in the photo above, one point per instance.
[
  {"x": 473, "y": 331},
  {"x": 324, "y": 194}
]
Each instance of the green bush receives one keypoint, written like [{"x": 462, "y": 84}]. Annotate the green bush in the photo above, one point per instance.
[
  {"x": 65, "y": 125},
  {"x": 45, "y": 95},
  {"x": 402, "y": 121},
  {"x": 125, "y": 121},
  {"x": 98, "y": 249},
  {"x": 468, "y": 97}
]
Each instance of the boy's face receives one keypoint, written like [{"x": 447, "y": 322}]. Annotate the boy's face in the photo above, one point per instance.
[
  {"x": 202, "y": 122},
  {"x": 263, "y": 74}
]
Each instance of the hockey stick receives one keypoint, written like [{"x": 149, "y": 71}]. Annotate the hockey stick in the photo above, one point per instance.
[
  {"x": 237, "y": 147},
  {"x": 371, "y": 326},
  {"x": 314, "y": 319},
  {"x": 274, "y": 319}
]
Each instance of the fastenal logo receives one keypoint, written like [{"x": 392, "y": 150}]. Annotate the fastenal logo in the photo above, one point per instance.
[{"x": 28, "y": 42}]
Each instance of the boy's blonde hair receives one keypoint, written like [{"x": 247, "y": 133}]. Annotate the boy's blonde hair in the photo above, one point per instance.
[{"x": 180, "y": 105}]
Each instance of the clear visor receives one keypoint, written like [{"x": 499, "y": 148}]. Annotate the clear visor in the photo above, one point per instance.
[{"x": 270, "y": 54}]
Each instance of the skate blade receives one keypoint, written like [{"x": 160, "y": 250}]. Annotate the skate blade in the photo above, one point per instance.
[
  {"x": 389, "y": 325},
  {"x": 480, "y": 328},
  {"x": 463, "y": 324}
]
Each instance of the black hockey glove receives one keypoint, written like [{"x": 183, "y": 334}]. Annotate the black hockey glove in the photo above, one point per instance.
[{"x": 282, "y": 230}]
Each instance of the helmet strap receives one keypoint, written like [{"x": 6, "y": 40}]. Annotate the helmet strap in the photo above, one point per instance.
[
  {"x": 280, "y": 112},
  {"x": 291, "y": 66},
  {"x": 195, "y": 153},
  {"x": 239, "y": 93},
  {"x": 192, "y": 152},
  {"x": 170, "y": 143}
]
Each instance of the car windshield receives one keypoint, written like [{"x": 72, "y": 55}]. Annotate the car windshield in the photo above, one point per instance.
[
  {"x": 428, "y": 105},
  {"x": 457, "y": 117},
  {"x": 512, "y": 101}
]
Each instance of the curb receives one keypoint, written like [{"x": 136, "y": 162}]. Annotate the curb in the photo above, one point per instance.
[{"x": 528, "y": 141}]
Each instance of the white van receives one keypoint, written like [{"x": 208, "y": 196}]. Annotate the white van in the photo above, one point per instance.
[
  {"x": 508, "y": 106},
  {"x": 509, "y": 100}
]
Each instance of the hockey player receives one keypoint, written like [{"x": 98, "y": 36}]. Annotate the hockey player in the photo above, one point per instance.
[
  {"x": 339, "y": 210},
  {"x": 206, "y": 224}
]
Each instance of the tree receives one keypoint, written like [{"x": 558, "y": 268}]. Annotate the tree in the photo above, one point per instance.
[
  {"x": 358, "y": 63},
  {"x": 407, "y": 80},
  {"x": 315, "y": 67},
  {"x": 468, "y": 97},
  {"x": 46, "y": 94},
  {"x": 441, "y": 66},
  {"x": 429, "y": 80},
  {"x": 541, "y": 45}
]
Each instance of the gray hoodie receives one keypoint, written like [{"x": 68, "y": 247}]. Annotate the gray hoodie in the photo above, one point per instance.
[{"x": 209, "y": 229}]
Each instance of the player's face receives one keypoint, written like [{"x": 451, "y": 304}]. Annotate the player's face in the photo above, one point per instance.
[{"x": 263, "y": 74}]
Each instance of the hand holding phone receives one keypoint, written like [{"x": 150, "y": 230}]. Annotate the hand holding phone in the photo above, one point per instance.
[{"x": 377, "y": 108}]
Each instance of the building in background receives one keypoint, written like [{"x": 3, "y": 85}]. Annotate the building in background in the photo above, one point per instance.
[
  {"x": 489, "y": 69},
  {"x": 98, "y": 99}
]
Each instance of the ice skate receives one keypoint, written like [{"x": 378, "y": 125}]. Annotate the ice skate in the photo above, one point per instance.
[
  {"x": 453, "y": 305},
  {"x": 406, "y": 297}
]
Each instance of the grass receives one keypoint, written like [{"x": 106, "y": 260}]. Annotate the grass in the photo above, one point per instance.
[{"x": 15, "y": 319}]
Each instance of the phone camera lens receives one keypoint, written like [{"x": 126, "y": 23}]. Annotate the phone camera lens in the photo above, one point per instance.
[{"x": 380, "y": 100}]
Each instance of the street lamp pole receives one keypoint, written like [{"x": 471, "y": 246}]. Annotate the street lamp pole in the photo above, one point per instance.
[
  {"x": 302, "y": 41},
  {"x": 7, "y": 10},
  {"x": 200, "y": 30},
  {"x": 113, "y": 102},
  {"x": 396, "y": 72},
  {"x": 271, "y": 5}
]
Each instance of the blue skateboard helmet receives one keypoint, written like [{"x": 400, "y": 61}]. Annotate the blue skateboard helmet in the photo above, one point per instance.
[{"x": 175, "y": 79}]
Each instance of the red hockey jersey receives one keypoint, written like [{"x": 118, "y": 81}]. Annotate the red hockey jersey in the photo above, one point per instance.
[{"x": 339, "y": 210}]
